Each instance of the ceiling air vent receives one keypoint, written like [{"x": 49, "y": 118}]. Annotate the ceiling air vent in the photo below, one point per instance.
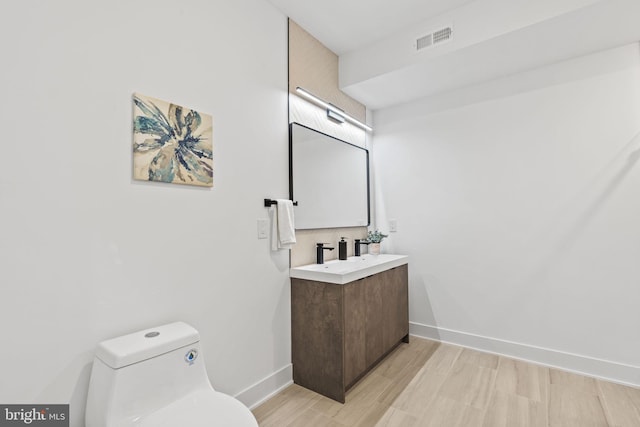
[
  {"x": 439, "y": 36},
  {"x": 425, "y": 41}
]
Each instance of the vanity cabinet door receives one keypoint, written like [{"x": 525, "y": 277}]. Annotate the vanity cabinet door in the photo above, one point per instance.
[
  {"x": 373, "y": 320},
  {"x": 355, "y": 350},
  {"x": 317, "y": 340},
  {"x": 395, "y": 306}
]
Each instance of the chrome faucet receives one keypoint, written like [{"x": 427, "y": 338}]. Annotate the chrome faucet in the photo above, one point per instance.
[{"x": 320, "y": 248}]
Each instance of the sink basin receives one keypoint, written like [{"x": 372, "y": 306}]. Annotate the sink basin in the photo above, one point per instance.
[{"x": 354, "y": 268}]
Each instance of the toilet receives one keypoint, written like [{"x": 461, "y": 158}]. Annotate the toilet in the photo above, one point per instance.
[{"x": 157, "y": 378}]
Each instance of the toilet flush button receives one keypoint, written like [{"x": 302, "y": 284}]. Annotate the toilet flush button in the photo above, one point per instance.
[
  {"x": 191, "y": 356},
  {"x": 151, "y": 334}
]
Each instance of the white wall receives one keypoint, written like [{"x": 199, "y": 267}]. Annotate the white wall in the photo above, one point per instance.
[
  {"x": 88, "y": 254},
  {"x": 519, "y": 209}
]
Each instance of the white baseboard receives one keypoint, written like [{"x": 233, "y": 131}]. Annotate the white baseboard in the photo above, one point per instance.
[
  {"x": 602, "y": 369},
  {"x": 264, "y": 389}
]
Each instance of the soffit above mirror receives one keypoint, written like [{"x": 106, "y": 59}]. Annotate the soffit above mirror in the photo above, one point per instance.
[{"x": 385, "y": 69}]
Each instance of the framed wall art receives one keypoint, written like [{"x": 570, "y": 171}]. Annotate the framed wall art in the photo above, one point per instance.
[{"x": 171, "y": 143}]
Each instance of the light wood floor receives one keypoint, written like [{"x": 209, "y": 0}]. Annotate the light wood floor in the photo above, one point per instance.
[{"x": 425, "y": 383}]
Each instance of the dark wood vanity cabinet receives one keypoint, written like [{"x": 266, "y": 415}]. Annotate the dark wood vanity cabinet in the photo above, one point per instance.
[{"x": 339, "y": 332}]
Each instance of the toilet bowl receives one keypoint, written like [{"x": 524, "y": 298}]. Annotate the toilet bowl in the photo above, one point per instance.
[{"x": 157, "y": 378}]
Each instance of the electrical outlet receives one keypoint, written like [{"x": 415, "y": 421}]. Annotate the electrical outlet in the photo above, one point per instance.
[
  {"x": 393, "y": 225},
  {"x": 263, "y": 227}
]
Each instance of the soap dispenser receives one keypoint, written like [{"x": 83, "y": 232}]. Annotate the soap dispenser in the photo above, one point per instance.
[{"x": 342, "y": 249}]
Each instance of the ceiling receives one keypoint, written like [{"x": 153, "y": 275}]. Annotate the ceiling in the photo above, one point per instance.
[
  {"x": 379, "y": 65},
  {"x": 345, "y": 25}
]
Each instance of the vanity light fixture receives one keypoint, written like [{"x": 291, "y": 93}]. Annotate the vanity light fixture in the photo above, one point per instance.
[
  {"x": 336, "y": 117},
  {"x": 333, "y": 112}
]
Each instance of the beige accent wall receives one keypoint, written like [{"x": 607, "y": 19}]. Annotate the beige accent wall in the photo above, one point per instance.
[
  {"x": 304, "y": 251},
  {"x": 314, "y": 67}
]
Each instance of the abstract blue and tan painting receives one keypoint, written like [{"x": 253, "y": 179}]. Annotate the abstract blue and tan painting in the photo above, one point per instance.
[{"x": 171, "y": 143}]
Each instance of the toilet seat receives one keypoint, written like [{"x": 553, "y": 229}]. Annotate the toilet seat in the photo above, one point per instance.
[{"x": 204, "y": 408}]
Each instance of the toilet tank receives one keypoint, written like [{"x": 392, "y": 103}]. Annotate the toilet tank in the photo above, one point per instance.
[{"x": 139, "y": 373}]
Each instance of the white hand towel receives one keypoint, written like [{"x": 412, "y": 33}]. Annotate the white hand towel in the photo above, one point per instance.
[{"x": 283, "y": 233}]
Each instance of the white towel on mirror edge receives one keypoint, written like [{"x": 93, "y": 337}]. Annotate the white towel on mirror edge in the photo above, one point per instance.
[{"x": 283, "y": 233}]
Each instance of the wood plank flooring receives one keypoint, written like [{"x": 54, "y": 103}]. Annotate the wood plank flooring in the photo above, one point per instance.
[{"x": 426, "y": 383}]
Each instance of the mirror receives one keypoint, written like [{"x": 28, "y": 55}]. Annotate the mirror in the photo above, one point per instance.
[{"x": 329, "y": 178}]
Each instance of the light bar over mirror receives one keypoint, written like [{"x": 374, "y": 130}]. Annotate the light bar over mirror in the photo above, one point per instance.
[{"x": 332, "y": 111}]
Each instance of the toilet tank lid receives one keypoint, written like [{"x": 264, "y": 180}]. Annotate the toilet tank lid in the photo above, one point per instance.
[{"x": 138, "y": 346}]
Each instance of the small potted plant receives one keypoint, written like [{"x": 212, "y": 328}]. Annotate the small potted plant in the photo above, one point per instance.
[{"x": 374, "y": 238}]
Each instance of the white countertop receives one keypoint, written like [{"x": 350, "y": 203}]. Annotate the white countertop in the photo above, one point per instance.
[{"x": 353, "y": 268}]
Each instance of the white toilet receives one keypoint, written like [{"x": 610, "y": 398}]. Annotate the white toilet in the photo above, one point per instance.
[{"x": 157, "y": 378}]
